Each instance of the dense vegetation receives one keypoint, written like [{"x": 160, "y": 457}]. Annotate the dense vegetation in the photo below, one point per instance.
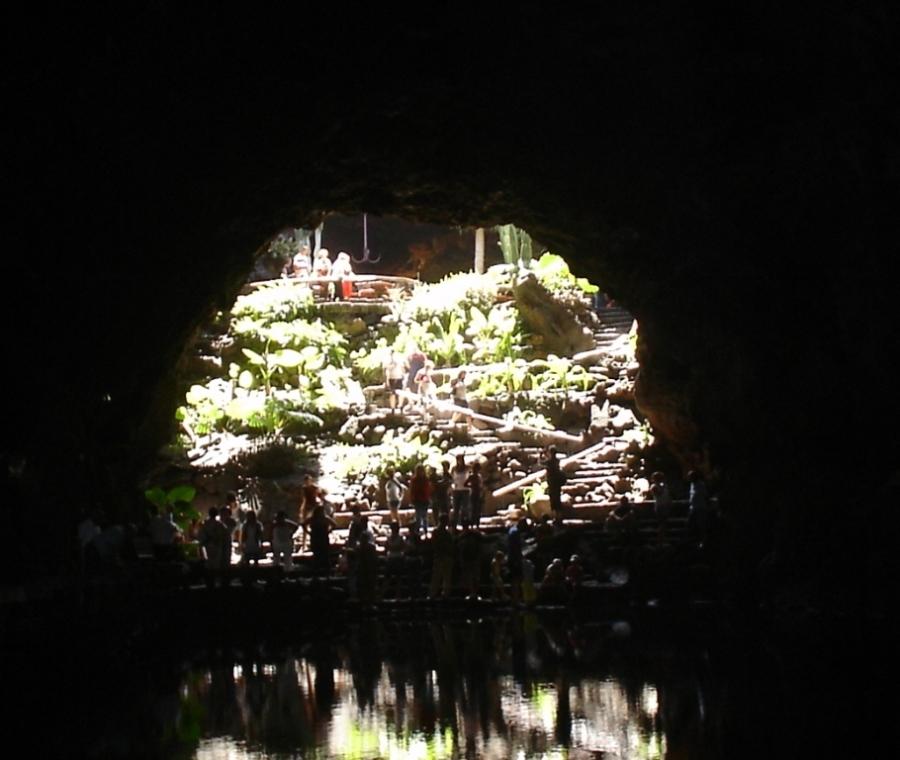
[{"x": 287, "y": 373}]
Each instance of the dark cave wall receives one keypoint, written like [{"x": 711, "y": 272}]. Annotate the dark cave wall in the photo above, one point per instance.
[{"x": 727, "y": 180}]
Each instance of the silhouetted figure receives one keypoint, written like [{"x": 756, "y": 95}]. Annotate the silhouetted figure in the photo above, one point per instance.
[
  {"x": 700, "y": 512},
  {"x": 415, "y": 550},
  {"x": 555, "y": 480},
  {"x": 440, "y": 491},
  {"x": 420, "y": 496},
  {"x": 366, "y": 569},
  {"x": 498, "y": 587},
  {"x": 622, "y": 521},
  {"x": 319, "y": 526},
  {"x": 553, "y": 588},
  {"x": 662, "y": 503},
  {"x": 475, "y": 484},
  {"x": 215, "y": 540},
  {"x": 514, "y": 539},
  {"x": 310, "y": 496},
  {"x": 441, "y": 559},
  {"x": 469, "y": 543},
  {"x": 251, "y": 540},
  {"x": 283, "y": 531},
  {"x": 164, "y": 536},
  {"x": 395, "y": 550},
  {"x": 574, "y": 573}
]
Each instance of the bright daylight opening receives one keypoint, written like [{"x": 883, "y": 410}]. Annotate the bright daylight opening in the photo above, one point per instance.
[{"x": 377, "y": 372}]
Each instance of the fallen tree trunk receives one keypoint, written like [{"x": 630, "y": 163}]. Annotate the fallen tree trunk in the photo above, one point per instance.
[
  {"x": 517, "y": 484},
  {"x": 498, "y": 421}
]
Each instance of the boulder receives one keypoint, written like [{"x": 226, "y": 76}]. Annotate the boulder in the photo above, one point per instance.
[{"x": 560, "y": 332}]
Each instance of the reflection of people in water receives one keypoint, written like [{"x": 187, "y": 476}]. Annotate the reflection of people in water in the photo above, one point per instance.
[{"x": 453, "y": 685}]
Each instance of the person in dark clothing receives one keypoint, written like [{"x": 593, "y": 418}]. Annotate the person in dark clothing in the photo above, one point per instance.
[
  {"x": 555, "y": 480},
  {"x": 470, "y": 560},
  {"x": 514, "y": 556},
  {"x": 475, "y": 482},
  {"x": 440, "y": 491},
  {"x": 441, "y": 559},
  {"x": 319, "y": 526},
  {"x": 367, "y": 569}
]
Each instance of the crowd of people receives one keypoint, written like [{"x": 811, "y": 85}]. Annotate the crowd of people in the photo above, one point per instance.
[{"x": 444, "y": 535}]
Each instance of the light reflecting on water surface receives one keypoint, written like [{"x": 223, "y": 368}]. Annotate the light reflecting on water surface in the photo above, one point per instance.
[{"x": 504, "y": 689}]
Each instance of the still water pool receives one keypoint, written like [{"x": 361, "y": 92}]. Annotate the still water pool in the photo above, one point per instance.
[
  {"x": 503, "y": 688},
  {"x": 522, "y": 686}
]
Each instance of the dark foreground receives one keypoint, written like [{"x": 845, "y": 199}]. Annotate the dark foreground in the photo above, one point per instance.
[{"x": 252, "y": 672}]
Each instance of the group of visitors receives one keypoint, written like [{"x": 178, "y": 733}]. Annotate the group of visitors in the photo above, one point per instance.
[
  {"x": 338, "y": 274},
  {"x": 456, "y": 492},
  {"x": 410, "y": 384},
  {"x": 622, "y": 521},
  {"x": 462, "y": 559}
]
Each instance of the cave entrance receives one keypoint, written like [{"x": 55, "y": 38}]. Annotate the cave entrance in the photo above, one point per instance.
[{"x": 322, "y": 389}]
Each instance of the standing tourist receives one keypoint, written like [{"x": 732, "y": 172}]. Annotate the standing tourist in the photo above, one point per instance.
[
  {"x": 415, "y": 360},
  {"x": 164, "y": 534},
  {"x": 460, "y": 475},
  {"x": 283, "y": 531},
  {"x": 425, "y": 387},
  {"x": 441, "y": 560},
  {"x": 662, "y": 503},
  {"x": 309, "y": 500},
  {"x": 699, "y": 507},
  {"x": 440, "y": 491},
  {"x": 395, "y": 550},
  {"x": 498, "y": 587},
  {"x": 393, "y": 378},
  {"x": 470, "y": 560},
  {"x": 459, "y": 398},
  {"x": 420, "y": 495},
  {"x": 215, "y": 540},
  {"x": 322, "y": 271},
  {"x": 251, "y": 540},
  {"x": 319, "y": 526},
  {"x": 475, "y": 483},
  {"x": 555, "y": 481},
  {"x": 393, "y": 491}
]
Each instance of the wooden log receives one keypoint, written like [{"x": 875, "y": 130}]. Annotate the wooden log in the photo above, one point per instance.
[
  {"x": 517, "y": 484},
  {"x": 498, "y": 421}
]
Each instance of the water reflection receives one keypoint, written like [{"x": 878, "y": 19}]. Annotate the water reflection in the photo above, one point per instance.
[{"x": 498, "y": 689}]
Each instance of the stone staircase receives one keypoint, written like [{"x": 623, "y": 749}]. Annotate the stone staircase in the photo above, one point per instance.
[{"x": 614, "y": 323}]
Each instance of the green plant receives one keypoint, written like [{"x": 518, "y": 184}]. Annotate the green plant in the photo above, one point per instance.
[
  {"x": 555, "y": 275},
  {"x": 528, "y": 417},
  {"x": 497, "y": 334},
  {"x": 204, "y": 407},
  {"x": 275, "y": 301},
  {"x": 533, "y": 493},
  {"x": 180, "y": 498},
  {"x": 516, "y": 245},
  {"x": 368, "y": 363},
  {"x": 398, "y": 452}
]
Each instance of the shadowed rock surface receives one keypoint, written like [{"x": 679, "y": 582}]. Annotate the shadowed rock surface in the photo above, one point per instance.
[{"x": 730, "y": 182}]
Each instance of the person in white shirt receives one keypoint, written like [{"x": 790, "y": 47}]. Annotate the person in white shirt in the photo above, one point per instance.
[
  {"x": 394, "y": 490},
  {"x": 460, "y": 492},
  {"x": 393, "y": 377}
]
